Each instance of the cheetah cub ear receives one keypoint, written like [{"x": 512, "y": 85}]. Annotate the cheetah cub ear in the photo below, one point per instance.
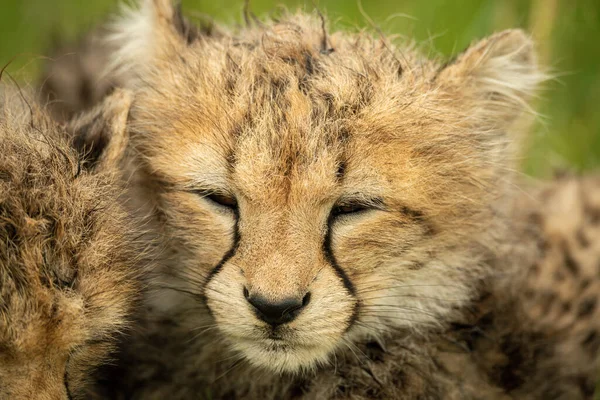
[
  {"x": 100, "y": 135},
  {"x": 148, "y": 34},
  {"x": 498, "y": 75}
]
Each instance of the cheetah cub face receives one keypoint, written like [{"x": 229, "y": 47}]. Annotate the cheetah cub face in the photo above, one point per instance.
[
  {"x": 317, "y": 189},
  {"x": 68, "y": 256}
]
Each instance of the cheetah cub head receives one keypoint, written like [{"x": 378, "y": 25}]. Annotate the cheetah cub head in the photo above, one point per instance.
[
  {"x": 316, "y": 189},
  {"x": 68, "y": 255}
]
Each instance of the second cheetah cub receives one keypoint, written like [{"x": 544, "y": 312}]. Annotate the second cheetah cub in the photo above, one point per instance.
[{"x": 70, "y": 257}]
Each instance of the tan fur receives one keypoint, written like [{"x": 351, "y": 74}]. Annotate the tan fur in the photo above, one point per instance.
[
  {"x": 290, "y": 122},
  {"x": 69, "y": 256}
]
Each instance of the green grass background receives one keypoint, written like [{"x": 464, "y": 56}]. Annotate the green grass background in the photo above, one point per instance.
[{"x": 567, "y": 33}]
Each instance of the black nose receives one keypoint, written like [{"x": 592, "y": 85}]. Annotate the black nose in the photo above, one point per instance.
[{"x": 277, "y": 312}]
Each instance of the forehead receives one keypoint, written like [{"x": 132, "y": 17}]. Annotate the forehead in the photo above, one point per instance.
[{"x": 285, "y": 114}]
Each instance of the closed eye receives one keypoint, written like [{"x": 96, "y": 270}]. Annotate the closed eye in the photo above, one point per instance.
[
  {"x": 344, "y": 209},
  {"x": 219, "y": 199},
  {"x": 355, "y": 207}
]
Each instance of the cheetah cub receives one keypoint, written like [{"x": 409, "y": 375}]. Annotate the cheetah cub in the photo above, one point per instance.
[
  {"x": 69, "y": 253},
  {"x": 340, "y": 219}
]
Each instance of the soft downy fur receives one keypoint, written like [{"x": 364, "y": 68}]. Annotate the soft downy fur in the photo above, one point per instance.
[
  {"x": 70, "y": 257},
  {"x": 364, "y": 185}
]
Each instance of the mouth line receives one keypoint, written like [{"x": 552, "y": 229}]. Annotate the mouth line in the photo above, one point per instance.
[{"x": 274, "y": 343}]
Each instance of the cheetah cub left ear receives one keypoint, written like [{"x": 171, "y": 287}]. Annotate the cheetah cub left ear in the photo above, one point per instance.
[
  {"x": 70, "y": 255},
  {"x": 100, "y": 135}
]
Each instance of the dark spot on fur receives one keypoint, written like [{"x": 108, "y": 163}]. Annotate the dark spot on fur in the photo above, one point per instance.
[
  {"x": 230, "y": 86},
  {"x": 278, "y": 87},
  {"x": 587, "y": 307},
  {"x": 547, "y": 299},
  {"x": 236, "y": 130},
  {"x": 349, "y": 109},
  {"x": 592, "y": 341},
  {"x": 341, "y": 170},
  {"x": 5, "y": 176},
  {"x": 328, "y": 98},
  {"x": 289, "y": 60},
  {"x": 566, "y": 307},
  {"x": 535, "y": 269},
  {"x": 419, "y": 217},
  {"x": 594, "y": 216},
  {"x": 308, "y": 64},
  {"x": 247, "y": 45},
  {"x": 413, "y": 214},
  {"x": 231, "y": 161},
  {"x": 303, "y": 85},
  {"x": 344, "y": 135},
  {"x": 535, "y": 219},
  {"x": 587, "y": 386},
  {"x": 399, "y": 70},
  {"x": 542, "y": 245},
  {"x": 585, "y": 283},
  {"x": 559, "y": 275},
  {"x": 570, "y": 262},
  {"x": 416, "y": 266},
  {"x": 582, "y": 238}
]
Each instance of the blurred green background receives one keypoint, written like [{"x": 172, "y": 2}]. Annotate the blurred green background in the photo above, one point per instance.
[{"x": 567, "y": 33}]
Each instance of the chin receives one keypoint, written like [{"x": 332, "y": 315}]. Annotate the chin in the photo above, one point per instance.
[{"x": 283, "y": 356}]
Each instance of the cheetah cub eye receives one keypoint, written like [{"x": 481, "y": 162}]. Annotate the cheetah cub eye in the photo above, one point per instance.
[
  {"x": 219, "y": 199},
  {"x": 350, "y": 208}
]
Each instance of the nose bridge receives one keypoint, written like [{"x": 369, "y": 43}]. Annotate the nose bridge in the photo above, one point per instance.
[{"x": 278, "y": 261}]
